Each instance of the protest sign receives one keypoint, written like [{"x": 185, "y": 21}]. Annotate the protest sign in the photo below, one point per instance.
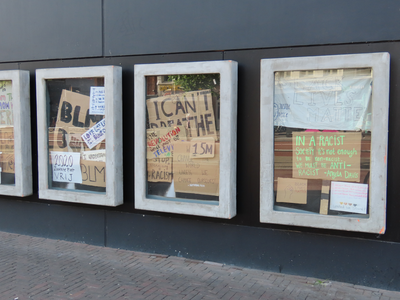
[
  {"x": 193, "y": 110},
  {"x": 202, "y": 147},
  {"x": 6, "y": 105},
  {"x": 159, "y": 169},
  {"x": 97, "y": 100},
  {"x": 335, "y": 102},
  {"x": 73, "y": 114},
  {"x": 7, "y": 148},
  {"x": 327, "y": 155},
  {"x": 66, "y": 167},
  {"x": 292, "y": 190},
  {"x": 195, "y": 175},
  {"x": 160, "y": 141},
  {"x": 96, "y": 134},
  {"x": 349, "y": 197},
  {"x": 93, "y": 173}
]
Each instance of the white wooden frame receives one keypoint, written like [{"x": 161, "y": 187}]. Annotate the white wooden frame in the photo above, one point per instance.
[
  {"x": 22, "y": 134},
  {"x": 113, "y": 99},
  {"x": 379, "y": 62},
  {"x": 226, "y": 207}
]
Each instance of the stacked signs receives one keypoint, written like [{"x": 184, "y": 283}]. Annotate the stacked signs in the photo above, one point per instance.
[
  {"x": 77, "y": 142},
  {"x": 181, "y": 142},
  {"x": 6, "y": 128}
]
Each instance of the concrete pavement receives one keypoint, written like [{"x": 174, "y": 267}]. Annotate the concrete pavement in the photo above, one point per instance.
[{"x": 38, "y": 268}]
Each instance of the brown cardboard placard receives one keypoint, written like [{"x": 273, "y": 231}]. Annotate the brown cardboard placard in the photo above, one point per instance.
[
  {"x": 291, "y": 190},
  {"x": 193, "y": 110},
  {"x": 327, "y": 155},
  {"x": 93, "y": 173},
  {"x": 7, "y": 139},
  {"x": 196, "y": 176},
  {"x": 159, "y": 169},
  {"x": 160, "y": 141},
  {"x": 325, "y": 186},
  {"x": 202, "y": 147},
  {"x": 323, "y": 207},
  {"x": 7, "y": 161}
]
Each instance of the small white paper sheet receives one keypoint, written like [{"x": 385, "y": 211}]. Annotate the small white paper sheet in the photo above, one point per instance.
[
  {"x": 349, "y": 197},
  {"x": 66, "y": 166},
  {"x": 97, "y": 100},
  {"x": 94, "y": 155},
  {"x": 96, "y": 134}
]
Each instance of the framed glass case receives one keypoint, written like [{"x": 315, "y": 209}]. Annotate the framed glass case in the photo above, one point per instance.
[
  {"x": 15, "y": 134},
  {"x": 80, "y": 134},
  {"x": 185, "y": 138},
  {"x": 324, "y": 124}
]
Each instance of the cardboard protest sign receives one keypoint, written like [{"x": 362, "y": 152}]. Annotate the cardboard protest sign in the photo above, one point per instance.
[
  {"x": 193, "y": 110},
  {"x": 97, "y": 100},
  {"x": 93, "y": 173},
  {"x": 198, "y": 175},
  {"x": 338, "y": 100},
  {"x": 159, "y": 169},
  {"x": 327, "y": 155},
  {"x": 202, "y": 147},
  {"x": 96, "y": 134},
  {"x": 73, "y": 114},
  {"x": 160, "y": 141},
  {"x": 65, "y": 166},
  {"x": 291, "y": 190},
  {"x": 323, "y": 207},
  {"x": 7, "y": 149},
  {"x": 349, "y": 197}
]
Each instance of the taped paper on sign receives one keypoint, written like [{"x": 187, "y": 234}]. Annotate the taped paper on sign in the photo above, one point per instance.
[
  {"x": 97, "y": 100},
  {"x": 66, "y": 167},
  {"x": 349, "y": 197},
  {"x": 96, "y": 134},
  {"x": 94, "y": 155}
]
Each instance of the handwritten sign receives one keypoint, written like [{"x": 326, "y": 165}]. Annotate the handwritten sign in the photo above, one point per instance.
[
  {"x": 193, "y": 110},
  {"x": 292, "y": 190},
  {"x": 197, "y": 176},
  {"x": 349, "y": 197},
  {"x": 160, "y": 141},
  {"x": 332, "y": 100},
  {"x": 96, "y": 134},
  {"x": 327, "y": 155},
  {"x": 66, "y": 167},
  {"x": 93, "y": 173},
  {"x": 73, "y": 115},
  {"x": 97, "y": 100},
  {"x": 202, "y": 147},
  {"x": 159, "y": 169}
]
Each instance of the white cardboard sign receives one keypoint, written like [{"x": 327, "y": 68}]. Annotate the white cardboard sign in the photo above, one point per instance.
[
  {"x": 66, "y": 166},
  {"x": 97, "y": 102},
  {"x": 330, "y": 102},
  {"x": 94, "y": 155},
  {"x": 349, "y": 197},
  {"x": 96, "y": 134}
]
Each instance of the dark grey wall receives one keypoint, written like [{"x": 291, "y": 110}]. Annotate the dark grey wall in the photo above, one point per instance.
[
  {"x": 48, "y": 29},
  {"x": 50, "y": 34}
]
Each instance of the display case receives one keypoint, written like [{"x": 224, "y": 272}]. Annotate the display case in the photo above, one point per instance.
[
  {"x": 15, "y": 134},
  {"x": 324, "y": 125},
  {"x": 80, "y": 134},
  {"x": 185, "y": 138}
]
